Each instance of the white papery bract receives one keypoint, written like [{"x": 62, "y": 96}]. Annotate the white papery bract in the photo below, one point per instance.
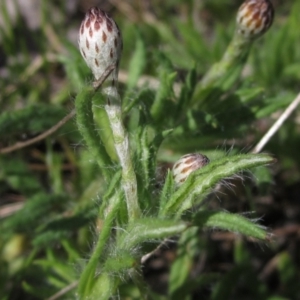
[
  {"x": 188, "y": 164},
  {"x": 254, "y": 18},
  {"x": 100, "y": 42}
]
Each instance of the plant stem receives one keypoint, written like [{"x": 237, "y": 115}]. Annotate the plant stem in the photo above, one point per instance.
[
  {"x": 53, "y": 129},
  {"x": 121, "y": 141},
  {"x": 235, "y": 53},
  {"x": 87, "y": 278}
]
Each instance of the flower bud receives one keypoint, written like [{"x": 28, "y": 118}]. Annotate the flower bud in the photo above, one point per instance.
[
  {"x": 254, "y": 18},
  {"x": 188, "y": 164},
  {"x": 100, "y": 42}
]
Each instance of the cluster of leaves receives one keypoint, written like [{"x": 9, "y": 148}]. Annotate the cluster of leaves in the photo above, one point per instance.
[{"x": 43, "y": 242}]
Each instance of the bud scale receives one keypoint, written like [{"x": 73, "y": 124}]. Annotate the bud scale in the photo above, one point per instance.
[
  {"x": 254, "y": 18},
  {"x": 188, "y": 164},
  {"x": 100, "y": 42}
]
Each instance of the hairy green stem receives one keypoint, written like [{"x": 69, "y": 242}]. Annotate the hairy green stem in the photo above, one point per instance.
[
  {"x": 87, "y": 278},
  {"x": 121, "y": 141},
  {"x": 227, "y": 70},
  {"x": 235, "y": 54}
]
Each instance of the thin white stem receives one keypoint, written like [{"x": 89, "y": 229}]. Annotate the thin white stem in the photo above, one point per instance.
[
  {"x": 265, "y": 139},
  {"x": 121, "y": 142},
  {"x": 63, "y": 291},
  {"x": 150, "y": 254}
]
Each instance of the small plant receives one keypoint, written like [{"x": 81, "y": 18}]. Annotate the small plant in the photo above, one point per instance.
[
  {"x": 254, "y": 18},
  {"x": 133, "y": 212},
  {"x": 141, "y": 147}
]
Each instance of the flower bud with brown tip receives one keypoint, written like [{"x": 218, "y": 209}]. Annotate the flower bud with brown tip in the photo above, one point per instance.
[
  {"x": 188, "y": 164},
  {"x": 100, "y": 42},
  {"x": 254, "y": 18}
]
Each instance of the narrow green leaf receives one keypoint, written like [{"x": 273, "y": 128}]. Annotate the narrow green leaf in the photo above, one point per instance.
[
  {"x": 5, "y": 15},
  {"x": 71, "y": 250},
  {"x": 87, "y": 129},
  {"x": 246, "y": 95},
  {"x": 202, "y": 181},
  {"x": 155, "y": 144},
  {"x": 179, "y": 276},
  {"x": 167, "y": 190},
  {"x": 230, "y": 222},
  {"x": 144, "y": 96},
  {"x": 143, "y": 154},
  {"x": 111, "y": 189},
  {"x": 61, "y": 227},
  {"x": 149, "y": 229},
  {"x": 137, "y": 62},
  {"x": 186, "y": 92},
  {"x": 103, "y": 124},
  {"x": 75, "y": 66},
  {"x": 87, "y": 280},
  {"x": 194, "y": 42},
  {"x": 178, "y": 51},
  {"x": 271, "y": 105},
  {"x": 163, "y": 94},
  {"x": 34, "y": 212},
  {"x": 181, "y": 268},
  {"x": 61, "y": 269}
]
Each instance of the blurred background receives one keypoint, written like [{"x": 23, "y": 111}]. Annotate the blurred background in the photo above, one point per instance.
[{"x": 49, "y": 191}]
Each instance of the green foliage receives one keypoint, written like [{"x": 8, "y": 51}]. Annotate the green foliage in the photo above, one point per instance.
[
  {"x": 33, "y": 213},
  {"x": 232, "y": 222},
  {"x": 86, "y": 127},
  {"x": 184, "y": 92},
  {"x": 137, "y": 62},
  {"x": 15, "y": 174},
  {"x": 76, "y": 69},
  {"x": 201, "y": 181},
  {"x": 30, "y": 120}
]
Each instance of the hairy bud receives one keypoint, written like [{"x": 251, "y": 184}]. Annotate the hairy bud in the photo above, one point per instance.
[
  {"x": 188, "y": 164},
  {"x": 254, "y": 18},
  {"x": 100, "y": 42}
]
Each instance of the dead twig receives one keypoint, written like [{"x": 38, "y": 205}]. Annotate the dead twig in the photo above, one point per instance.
[
  {"x": 265, "y": 139},
  {"x": 20, "y": 145},
  {"x": 150, "y": 254},
  {"x": 10, "y": 209},
  {"x": 64, "y": 291},
  {"x": 97, "y": 84}
]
